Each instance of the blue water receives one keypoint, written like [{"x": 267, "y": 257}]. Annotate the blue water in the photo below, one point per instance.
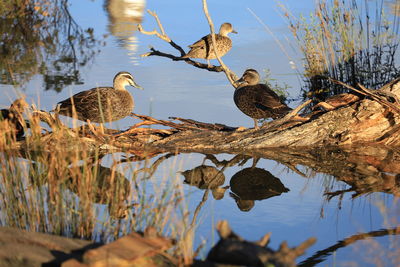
[{"x": 178, "y": 89}]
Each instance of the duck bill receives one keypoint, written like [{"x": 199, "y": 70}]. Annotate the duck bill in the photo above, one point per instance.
[
  {"x": 134, "y": 84},
  {"x": 241, "y": 80},
  {"x": 233, "y": 31}
]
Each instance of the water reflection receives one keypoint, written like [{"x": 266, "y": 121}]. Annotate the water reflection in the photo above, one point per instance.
[
  {"x": 252, "y": 184},
  {"x": 43, "y": 38},
  {"x": 206, "y": 177},
  {"x": 93, "y": 185},
  {"x": 246, "y": 186},
  {"x": 321, "y": 255},
  {"x": 123, "y": 17},
  {"x": 366, "y": 169},
  {"x": 107, "y": 186}
]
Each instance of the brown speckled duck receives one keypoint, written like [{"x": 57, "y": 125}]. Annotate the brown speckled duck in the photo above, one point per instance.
[
  {"x": 257, "y": 100},
  {"x": 203, "y": 48},
  {"x": 102, "y": 104}
]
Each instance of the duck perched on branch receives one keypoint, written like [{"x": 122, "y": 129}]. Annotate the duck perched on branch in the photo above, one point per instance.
[
  {"x": 257, "y": 100},
  {"x": 102, "y": 104},
  {"x": 203, "y": 48}
]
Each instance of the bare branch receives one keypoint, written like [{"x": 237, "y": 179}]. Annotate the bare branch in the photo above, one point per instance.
[
  {"x": 153, "y": 32},
  {"x": 163, "y": 36},
  {"x": 292, "y": 118},
  {"x": 158, "y": 21},
  {"x": 196, "y": 64}
]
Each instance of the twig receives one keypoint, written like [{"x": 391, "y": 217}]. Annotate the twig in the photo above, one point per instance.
[
  {"x": 161, "y": 35},
  {"x": 364, "y": 91},
  {"x": 295, "y": 111}
]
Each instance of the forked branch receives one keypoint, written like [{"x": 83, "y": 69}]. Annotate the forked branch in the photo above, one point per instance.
[{"x": 163, "y": 36}]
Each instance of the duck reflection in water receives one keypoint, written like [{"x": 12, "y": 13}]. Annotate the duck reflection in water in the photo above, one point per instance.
[
  {"x": 206, "y": 177},
  {"x": 12, "y": 119},
  {"x": 123, "y": 19},
  {"x": 252, "y": 184},
  {"x": 105, "y": 186}
]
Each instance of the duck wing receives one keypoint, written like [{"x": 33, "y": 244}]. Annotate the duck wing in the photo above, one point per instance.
[
  {"x": 85, "y": 100},
  {"x": 201, "y": 43},
  {"x": 270, "y": 103}
]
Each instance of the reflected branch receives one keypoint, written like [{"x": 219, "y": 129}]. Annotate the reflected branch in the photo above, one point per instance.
[
  {"x": 365, "y": 169},
  {"x": 44, "y": 40},
  {"x": 320, "y": 255},
  {"x": 239, "y": 160}
]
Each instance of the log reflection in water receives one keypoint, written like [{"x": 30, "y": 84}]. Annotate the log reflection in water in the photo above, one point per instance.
[
  {"x": 252, "y": 184},
  {"x": 321, "y": 255},
  {"x": 366, "y": 169}
]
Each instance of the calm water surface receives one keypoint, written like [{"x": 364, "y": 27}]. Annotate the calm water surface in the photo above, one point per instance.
[{"x": 294, "y": 207}]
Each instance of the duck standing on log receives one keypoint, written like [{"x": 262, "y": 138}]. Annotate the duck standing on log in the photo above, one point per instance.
[
  {"x": 102, "y": 104},
  {"x": 257, "y": 100},
  {"x": 203, "y": 48}
]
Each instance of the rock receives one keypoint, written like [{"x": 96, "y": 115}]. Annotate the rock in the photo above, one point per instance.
[
  {"x": 22, "y": 248},
  {"x": 131, "y": 250}
]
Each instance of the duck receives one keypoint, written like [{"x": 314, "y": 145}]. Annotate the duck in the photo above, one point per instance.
[
  {"x": 13, "y": 116},
  {"x": 257, "y": 100},
  {"x": 102, "y": 104},
  {"x": 204, "y": 49}
]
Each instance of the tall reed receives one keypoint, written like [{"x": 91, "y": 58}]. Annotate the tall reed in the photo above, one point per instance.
[{"x": 352, "y": 41}]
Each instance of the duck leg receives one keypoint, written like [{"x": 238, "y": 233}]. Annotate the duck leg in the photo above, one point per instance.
[
  {"x": 98, "y": 133},
  {"x": 255, "y": 124}
]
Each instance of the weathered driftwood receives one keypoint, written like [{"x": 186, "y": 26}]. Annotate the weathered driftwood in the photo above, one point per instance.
[{"x": 365, "y": 121}]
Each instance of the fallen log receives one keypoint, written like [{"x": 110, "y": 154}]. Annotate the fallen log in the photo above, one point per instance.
[{"x": 364, "y": 122}]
